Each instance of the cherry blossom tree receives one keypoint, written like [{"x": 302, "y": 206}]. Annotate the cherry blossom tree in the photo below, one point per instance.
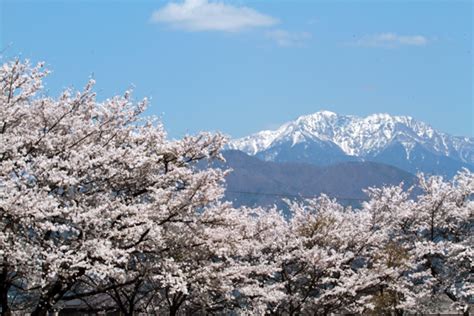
[
  {"x": 397, "y": 253},
  {"x": 86, "y": 185},
  {"x": 319, "y": 261},
  {"x": 444, "y": 231},
  {"x": 427, "y": 250}
]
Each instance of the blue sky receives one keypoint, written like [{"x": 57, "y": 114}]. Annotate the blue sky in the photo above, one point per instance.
[{"x": 243, "y": 66}]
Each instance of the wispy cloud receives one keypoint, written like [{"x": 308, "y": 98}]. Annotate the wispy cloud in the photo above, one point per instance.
[
  {"x": 391, "y": 40},
  {"x": 285, "y": 38},
  {"x": 203, "y": 15}
]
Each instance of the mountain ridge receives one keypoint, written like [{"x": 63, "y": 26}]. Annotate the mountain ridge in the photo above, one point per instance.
[{"x": 354, "y": 138}]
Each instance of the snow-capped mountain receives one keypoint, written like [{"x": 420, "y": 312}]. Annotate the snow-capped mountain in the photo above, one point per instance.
[{"x": 325, "y": 137}]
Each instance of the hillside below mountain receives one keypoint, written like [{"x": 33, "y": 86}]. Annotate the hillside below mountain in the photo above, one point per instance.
[{"x": 256, "y": 182}]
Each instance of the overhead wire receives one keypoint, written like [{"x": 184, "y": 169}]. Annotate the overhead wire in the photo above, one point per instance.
[{"x": 295, "y": 195}]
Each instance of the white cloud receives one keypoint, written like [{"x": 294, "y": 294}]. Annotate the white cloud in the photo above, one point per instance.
[
  {"x": 285, "y": 38},
  {"x": 392, "y": 40},
  {"x": 202, "y": 15}
]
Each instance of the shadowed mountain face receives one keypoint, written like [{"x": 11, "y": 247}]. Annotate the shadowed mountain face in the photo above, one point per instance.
[
  {"x": 326, "y": 138},
  {"x": 257, "y": 182},
  {"x": 315, "y": 152},
  {"x": 420, "y": 159}
]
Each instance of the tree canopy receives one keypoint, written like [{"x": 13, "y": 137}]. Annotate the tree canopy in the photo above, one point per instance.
[{"x": 99, "y": 209}]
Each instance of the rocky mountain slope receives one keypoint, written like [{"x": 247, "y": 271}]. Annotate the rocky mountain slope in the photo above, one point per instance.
[{"x": 325, "y": 138}]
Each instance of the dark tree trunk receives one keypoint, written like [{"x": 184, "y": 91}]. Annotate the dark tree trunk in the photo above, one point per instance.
[
  {"x": 174, "y": 310},
  {"x": 42, "y": 308},
  {"x": 466, "y": 312},
  {"x": 4, "y": 288},
  {"x": 177, "y": 302},
  {"x": 40, "y": 311},
  {"x": 55, "y": 293},
  {"x": 6, "y": 311},
  {"x": 47, "y": 301}
]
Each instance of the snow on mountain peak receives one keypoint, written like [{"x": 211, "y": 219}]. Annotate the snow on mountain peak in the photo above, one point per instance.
[
  {"x": 325, "y": 113},
  {"x": 360, "y": 136}
]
